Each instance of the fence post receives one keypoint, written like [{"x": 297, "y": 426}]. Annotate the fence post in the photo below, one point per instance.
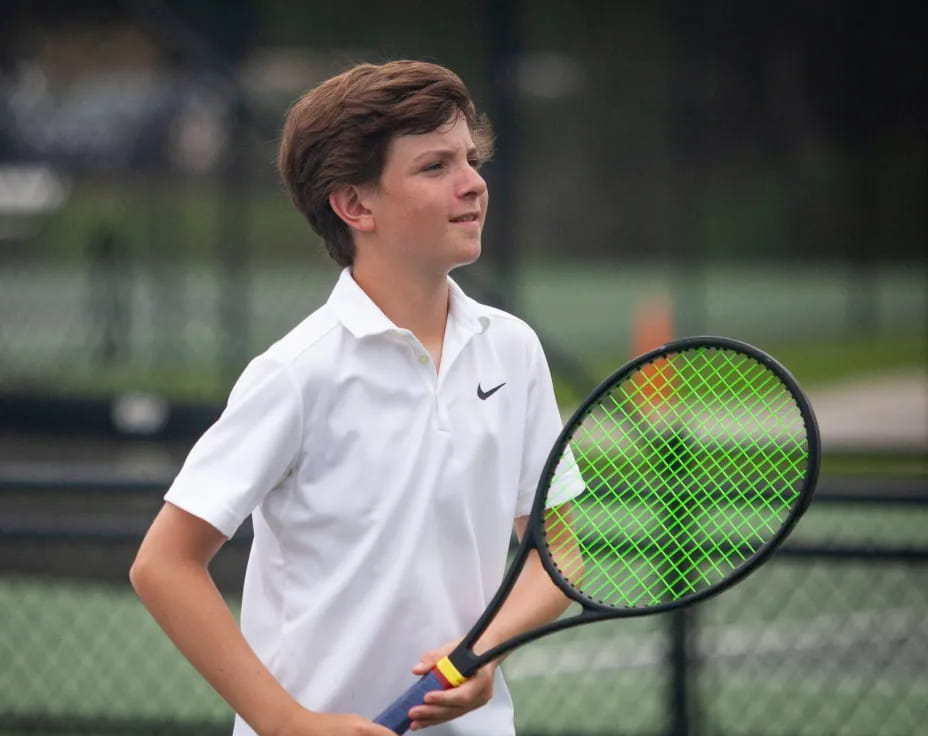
[
  {"x": 109, "y": 296},
  {"x": 501, "y": 34},
  {"x": 681, "y": 674},
  {"x": 863, "y": 246},
  {"x": 234, "y": 238}
]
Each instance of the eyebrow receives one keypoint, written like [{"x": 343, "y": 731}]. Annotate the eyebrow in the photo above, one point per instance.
[{"x": 443, "y": 153}]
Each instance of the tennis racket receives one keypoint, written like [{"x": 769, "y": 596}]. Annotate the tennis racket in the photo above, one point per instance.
[{"x": 679, "y": 475}]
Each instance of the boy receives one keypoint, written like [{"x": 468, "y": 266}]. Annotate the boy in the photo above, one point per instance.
[{"x": 385, "y": 447}]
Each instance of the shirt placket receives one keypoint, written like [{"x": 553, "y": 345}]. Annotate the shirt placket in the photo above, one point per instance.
[{"x": 426, "y": 368}]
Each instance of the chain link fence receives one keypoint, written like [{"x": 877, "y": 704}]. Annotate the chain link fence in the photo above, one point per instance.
[
  {"x": 828, "y": 638},
  {"x": 147, "y": 252},
  {"x": 121, "y": 322},
  {"x": 128, "y": 322}
]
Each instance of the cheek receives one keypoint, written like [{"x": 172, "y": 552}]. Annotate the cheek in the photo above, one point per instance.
[
  {"x": 404, "y": 216},
  {"x": 420, "y": 214},
  {"x": 415, "y": 210}
]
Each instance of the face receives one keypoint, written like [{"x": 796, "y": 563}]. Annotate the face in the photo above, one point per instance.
[{"x": 429, "y": 206}]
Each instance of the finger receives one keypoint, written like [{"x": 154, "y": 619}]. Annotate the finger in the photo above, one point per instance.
[
  {"x": 432, "y": 715},
  {"x": 452, "y": 698},
  {"x": 434, "y": 709},
  {"x": 427, "y": 661},
  {"x": 469, "y": 694},
  {"x": 422, "y": 667}
]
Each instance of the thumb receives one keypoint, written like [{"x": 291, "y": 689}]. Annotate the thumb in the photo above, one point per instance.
[{"x": 427, "y": 661}]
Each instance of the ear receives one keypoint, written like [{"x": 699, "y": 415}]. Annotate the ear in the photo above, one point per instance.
[{"x": 346, "y": 202}]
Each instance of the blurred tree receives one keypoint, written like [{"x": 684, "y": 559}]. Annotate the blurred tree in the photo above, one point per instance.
[{"x": 798, "y": 128}]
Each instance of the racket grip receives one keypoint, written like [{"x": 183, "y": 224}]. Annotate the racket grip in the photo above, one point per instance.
[{"x": 396, "y": 716}]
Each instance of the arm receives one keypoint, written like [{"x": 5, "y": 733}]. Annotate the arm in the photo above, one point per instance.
[
  {"x": 170, "y": 576},
  {"x": 533, "y": 601}
]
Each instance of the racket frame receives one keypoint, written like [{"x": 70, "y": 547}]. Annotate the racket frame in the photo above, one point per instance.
[{"x": 463, "y": 656}]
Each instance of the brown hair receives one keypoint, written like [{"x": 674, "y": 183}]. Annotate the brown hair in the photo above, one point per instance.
[{"x": 338, "y": 133}]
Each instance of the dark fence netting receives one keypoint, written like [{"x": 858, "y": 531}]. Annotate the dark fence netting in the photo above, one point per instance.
[{"x": 830, "y": 637}]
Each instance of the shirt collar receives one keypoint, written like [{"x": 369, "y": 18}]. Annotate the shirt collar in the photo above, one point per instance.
[
  {"x": 469, "y": 314},
  {"x": 362, "y": 318}
]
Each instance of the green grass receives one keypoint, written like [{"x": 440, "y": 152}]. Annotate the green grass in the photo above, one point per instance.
[
  {"x": 875, "y": 464},
  {"x": 172, "y": 220},
  {"x": 826, "y": 361},
  {"x": 829, "y": 359},
  {"x": 814, "y": 363}
]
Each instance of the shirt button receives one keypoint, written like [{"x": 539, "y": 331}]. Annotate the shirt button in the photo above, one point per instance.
[{"x": 423, "y": 359}]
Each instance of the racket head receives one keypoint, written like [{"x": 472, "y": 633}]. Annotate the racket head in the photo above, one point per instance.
[{"x": 696, "y": 461}]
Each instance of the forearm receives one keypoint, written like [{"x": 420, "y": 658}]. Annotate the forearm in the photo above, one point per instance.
[
  {"x": 184, "y": 601},
  {"x": 534, "y": 601},
  {"x": 171, "y": 578}
]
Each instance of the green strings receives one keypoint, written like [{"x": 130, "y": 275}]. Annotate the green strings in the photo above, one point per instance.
[{"x": 689, "y": 465}]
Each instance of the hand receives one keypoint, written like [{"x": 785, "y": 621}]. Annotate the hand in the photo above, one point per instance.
[
  {"x": 444, "y": 705},
  {"x": 308, "y": 723}
]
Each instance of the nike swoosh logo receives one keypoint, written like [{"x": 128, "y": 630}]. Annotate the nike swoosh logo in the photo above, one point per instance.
[{"x": 487, "y": 394}]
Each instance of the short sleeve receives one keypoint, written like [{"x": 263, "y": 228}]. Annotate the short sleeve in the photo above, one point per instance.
[
  {"x": 247, "y": 452},
  {"x": 542, "y": 427}
]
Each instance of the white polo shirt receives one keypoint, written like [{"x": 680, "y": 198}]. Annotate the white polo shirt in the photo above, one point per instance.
[{"x": 382, "y": 493}]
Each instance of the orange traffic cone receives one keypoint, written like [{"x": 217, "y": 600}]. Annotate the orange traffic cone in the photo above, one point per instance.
[{"x": 653, "y": 326}]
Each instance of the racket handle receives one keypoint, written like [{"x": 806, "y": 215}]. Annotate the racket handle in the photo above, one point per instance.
[{"x": 396, "y": 717}]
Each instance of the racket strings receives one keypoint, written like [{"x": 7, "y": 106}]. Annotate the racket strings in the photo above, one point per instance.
[
  {"x": 728, "y": 378},
  {"x": 688, "y": 466}
]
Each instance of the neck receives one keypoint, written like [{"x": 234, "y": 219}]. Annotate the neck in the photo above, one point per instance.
[{"x": 413, "y": 301}]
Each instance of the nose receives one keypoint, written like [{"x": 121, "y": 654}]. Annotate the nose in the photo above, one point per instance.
[{"x": 472, "y": 184}]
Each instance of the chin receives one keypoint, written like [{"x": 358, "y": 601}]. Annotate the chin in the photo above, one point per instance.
[
  {"x": 463, "y": 254},
  {"x": 471, "y": 253}
]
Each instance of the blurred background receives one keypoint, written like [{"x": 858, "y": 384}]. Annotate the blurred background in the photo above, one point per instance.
[{"x": 663, "y": 169}]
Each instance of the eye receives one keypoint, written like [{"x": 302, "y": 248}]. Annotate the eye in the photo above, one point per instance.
[
  {"x": 475, "y": 162},
  {"x": 436, "y": 166}
]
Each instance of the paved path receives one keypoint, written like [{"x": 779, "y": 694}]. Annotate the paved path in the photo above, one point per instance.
[{"x": 886, "y": 412}]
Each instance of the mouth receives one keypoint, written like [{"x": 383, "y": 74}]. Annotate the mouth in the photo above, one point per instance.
[{"x": 469, "y": 217}]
